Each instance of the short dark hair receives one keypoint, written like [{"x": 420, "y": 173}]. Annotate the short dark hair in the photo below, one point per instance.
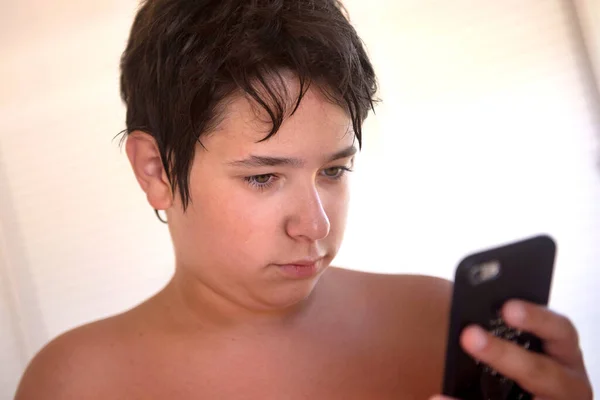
[{"x": 185, "y": 57}]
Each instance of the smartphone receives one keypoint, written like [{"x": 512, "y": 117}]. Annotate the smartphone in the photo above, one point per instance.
[{"x": 483, "y": 282}]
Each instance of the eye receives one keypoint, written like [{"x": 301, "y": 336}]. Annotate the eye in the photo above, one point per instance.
[
  {"x": 262, "y": 181},
  {"x": 335, "y": 172}
]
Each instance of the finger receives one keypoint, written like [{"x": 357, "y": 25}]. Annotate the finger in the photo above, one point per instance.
[
  {"x": 557, "y": 332},
  {"x": 536, "y": 373},
  {"x": 440, "y": 397}
]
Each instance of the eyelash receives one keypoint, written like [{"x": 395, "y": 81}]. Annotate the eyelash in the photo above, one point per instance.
[{"x": 251, "y": 180}]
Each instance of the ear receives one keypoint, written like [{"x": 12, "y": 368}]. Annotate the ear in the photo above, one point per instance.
[{"x": 146, "y": 162}]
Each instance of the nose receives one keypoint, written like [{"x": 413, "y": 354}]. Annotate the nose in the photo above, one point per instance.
[{"x": 308, "y": 219}]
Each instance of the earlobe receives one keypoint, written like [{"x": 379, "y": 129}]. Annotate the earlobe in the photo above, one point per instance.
[{"x": 146, "y": 162}]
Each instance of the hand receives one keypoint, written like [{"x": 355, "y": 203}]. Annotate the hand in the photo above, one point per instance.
[{"x": 557, "y": 375}]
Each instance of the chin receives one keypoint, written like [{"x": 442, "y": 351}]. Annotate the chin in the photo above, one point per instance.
[{"x": 291, "y": 294}]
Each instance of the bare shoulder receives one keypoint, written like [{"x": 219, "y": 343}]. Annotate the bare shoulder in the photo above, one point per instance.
[
  {"x": 421, "y": 295},
  {"x": 407, "y": 315},
  {"x": 423, "y": 301},
  {"x": 400, "y": 301},
  {"x": 80, "y": 363}
]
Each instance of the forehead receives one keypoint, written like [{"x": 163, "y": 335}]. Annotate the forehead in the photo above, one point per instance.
[{"x": 318, "y": 126}]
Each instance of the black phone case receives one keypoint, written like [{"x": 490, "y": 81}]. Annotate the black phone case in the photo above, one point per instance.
[{"x": 526, "y": 273}]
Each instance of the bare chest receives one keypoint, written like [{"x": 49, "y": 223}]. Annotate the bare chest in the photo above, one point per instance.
[{"x": 321, "y": 371}]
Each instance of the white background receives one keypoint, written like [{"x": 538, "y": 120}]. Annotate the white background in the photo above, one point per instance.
[{"x": 487, "y": 133}]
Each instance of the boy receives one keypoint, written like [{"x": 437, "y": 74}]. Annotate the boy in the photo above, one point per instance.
[{"x": 243, "y": 121}]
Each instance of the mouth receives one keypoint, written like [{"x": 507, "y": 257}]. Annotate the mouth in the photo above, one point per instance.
[{"x": 302, "y": 269}]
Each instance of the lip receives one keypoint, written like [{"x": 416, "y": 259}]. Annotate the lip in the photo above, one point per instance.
[
  {"x": 301, "y": 269},
  {"x": 304, "y": 262}
]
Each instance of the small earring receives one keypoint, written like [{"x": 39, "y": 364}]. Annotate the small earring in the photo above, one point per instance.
[{"x": 161, "y": 219}]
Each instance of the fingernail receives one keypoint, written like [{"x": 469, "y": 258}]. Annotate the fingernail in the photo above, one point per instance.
[
  {"x": 515, "y": 313},
  {"x": 478, "y": 339}
]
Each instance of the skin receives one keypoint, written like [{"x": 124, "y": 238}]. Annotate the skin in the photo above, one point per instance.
[{"x": 233, "y": 324}]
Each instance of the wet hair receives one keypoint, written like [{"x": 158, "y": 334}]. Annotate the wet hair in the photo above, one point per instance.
[{"x": 185, "y": 58}]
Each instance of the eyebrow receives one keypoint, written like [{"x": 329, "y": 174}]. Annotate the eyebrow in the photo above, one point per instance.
[{"x": 265, "y": 161}]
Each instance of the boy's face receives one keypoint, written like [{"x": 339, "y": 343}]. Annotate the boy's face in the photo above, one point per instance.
[{"x": 258, "y": 207}]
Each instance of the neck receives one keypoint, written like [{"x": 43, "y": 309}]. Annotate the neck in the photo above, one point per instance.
[{"x": 196, "y": 305}]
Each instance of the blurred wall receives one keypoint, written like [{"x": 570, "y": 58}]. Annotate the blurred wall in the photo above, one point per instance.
[
  {"x": 589, "y": 14},
  {"x": 487, "y": 133}
]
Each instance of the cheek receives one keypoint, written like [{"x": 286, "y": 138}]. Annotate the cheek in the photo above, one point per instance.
[
  {"x": 336, "y": 208},
  {"x": 236, "y": 223}
]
